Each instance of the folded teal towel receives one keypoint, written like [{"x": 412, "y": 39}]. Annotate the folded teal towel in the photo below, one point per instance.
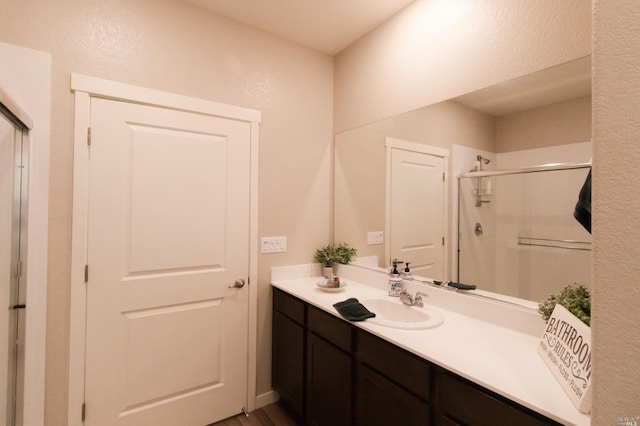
[{"x": 353, "y": 310}]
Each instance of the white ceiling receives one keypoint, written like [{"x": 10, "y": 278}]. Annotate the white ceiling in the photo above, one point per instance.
[{"x": 325, "y": 25}]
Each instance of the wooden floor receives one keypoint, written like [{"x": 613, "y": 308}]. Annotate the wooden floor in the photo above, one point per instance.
[{"x": 270, "y": 415}]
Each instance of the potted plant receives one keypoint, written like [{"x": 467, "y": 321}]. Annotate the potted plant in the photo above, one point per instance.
[
  {"x": 333, "y": 254},
  {"x": 575, "y": 297}
]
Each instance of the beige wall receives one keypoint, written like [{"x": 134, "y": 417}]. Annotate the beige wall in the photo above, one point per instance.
[
  {"x": 438, "y": 49},
  {"x": 170, "y": 45},
  {"x": 556, "y": 124},
  {"x": 616, "y": 202}
]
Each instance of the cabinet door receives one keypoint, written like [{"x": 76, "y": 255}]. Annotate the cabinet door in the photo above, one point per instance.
[
  {"x": 464, "y": 403},
  {"x": 380, "y": 402},
  {"x": 405, "y": 369},
  {"x": 288, "y": 362},
  {"x": 328, "y": 383}
]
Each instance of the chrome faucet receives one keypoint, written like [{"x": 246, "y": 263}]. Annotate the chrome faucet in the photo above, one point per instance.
[{"x": 409, "y": 300}]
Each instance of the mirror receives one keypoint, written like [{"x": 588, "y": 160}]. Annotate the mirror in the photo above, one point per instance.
[
  {"x": 516, "y": 232},
  {"x": 537, "y": 119}
]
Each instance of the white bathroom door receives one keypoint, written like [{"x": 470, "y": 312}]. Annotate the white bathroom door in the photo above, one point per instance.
[
  {"x": 168, "y": 236},
  {"x": 417, "y": 211}
]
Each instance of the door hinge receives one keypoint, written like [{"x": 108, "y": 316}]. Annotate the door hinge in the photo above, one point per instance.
[
  {"x": 86, "y": 273},
  {"x": 18, "y": 270},
  {"x": 84, "y": 411},
  {"x": 89, "y": 136},
  {"x": 442, "y": 240},
  {"x": 443, "y": 179}
]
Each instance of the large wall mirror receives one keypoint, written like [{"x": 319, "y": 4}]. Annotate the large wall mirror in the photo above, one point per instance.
[{"x": 405, "y": 188}]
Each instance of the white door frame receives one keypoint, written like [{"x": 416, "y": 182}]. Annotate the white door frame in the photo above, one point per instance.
[
  {"x": 393, "y": 143},
  {"x": 84, "y": 88}
]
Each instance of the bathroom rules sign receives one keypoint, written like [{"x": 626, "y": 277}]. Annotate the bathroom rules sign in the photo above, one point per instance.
[{"x": 566, "y": 349}]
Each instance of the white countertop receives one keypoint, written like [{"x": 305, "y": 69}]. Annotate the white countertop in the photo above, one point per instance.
[{"x": 483, "y": 349}]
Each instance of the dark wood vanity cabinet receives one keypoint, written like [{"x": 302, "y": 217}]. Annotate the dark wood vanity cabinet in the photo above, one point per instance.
[
  {"x": 464, "y": 403},
  {"x": 392, "y": 385},
  {"x": 288, "y": 351},
  {"x": 329, "y": 372},
  {"x": 312, "y": 363}
]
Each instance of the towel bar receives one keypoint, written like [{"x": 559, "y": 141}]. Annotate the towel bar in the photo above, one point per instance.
[{"x": 555, "y": 243}]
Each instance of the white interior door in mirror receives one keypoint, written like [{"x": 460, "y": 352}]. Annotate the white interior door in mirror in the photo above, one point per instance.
[
  {"x": 417, "y": 201},
  {"x": 167, "y": 338}
]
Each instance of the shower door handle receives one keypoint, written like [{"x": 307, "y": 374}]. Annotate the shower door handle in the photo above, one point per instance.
[{"x": 238, "y": 284}]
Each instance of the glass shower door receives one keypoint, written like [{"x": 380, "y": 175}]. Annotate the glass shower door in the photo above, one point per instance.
[
  {"x": 522, "y": 240},
  {"x": 12, "y": 249}
]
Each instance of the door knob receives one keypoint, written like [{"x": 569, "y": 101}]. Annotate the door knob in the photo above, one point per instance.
[{"x": 238, "y": 284}]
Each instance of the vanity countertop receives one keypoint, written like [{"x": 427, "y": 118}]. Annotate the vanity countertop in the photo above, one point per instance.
[{"x": 496, "y": 356}]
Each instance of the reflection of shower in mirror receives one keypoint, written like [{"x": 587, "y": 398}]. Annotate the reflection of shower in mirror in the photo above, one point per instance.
[
  {"x": 480, "y": 161},
  {"x": 481, "y": 185},
  {"x": 529, "y": 244}
]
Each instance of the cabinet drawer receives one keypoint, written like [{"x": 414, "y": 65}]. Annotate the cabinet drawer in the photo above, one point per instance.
[
  {"x": 329, "y": 327},
  {"x": 398, "y": 365},
  {"x": 465, "y": 403},
  {"x": 288, "y": 305}
]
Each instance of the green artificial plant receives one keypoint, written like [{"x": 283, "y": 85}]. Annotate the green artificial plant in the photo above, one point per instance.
[
  {"x": 333, "y": 254},
  {"x": 575, "y": 297}
]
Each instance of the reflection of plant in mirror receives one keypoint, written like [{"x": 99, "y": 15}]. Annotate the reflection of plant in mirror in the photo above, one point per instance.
[
  {"x": 575, "y": 297},
  {"x": 331, "y": 254}
]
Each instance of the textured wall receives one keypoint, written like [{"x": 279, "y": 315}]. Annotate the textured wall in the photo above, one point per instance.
[
  {"x": 170, "y": 45},
  {"x": 438, "y": 49},
  {"x": 561, "y": 123},
  {"x": 616, "y": 203}
]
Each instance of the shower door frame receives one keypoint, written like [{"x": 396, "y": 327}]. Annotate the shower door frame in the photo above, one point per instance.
[
  {"x": 26, "y": 76},
  {"x": 18, "y": 279}
]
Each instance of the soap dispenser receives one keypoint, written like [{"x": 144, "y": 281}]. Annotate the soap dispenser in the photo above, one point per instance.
[
  {"x": 406, "y": 274},
  {"x": 396, "y": 286}
]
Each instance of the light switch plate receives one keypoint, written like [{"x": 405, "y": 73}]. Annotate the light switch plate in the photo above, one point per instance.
[
  {"x": 375, "y": 237},
  {"x": 273, "y": 244}
]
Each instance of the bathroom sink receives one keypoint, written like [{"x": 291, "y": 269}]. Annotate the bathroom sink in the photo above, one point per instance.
[{"x": 394, "y": 314}]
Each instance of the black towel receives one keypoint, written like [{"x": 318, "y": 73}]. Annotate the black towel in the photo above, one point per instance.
[
  {"x": 353, "y": 310},
  {"x": 582, "y": 212}
]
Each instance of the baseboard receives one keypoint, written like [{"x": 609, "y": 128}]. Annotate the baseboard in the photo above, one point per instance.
[{"x": 266, "y": 398}]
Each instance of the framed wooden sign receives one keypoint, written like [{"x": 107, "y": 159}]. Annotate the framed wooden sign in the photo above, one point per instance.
[{"x": 565, "y": 347}]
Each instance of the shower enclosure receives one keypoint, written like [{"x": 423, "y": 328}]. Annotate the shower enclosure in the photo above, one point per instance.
[
  {"x": 517, "y": 234},
  {"x": 13, "y": 209}
]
